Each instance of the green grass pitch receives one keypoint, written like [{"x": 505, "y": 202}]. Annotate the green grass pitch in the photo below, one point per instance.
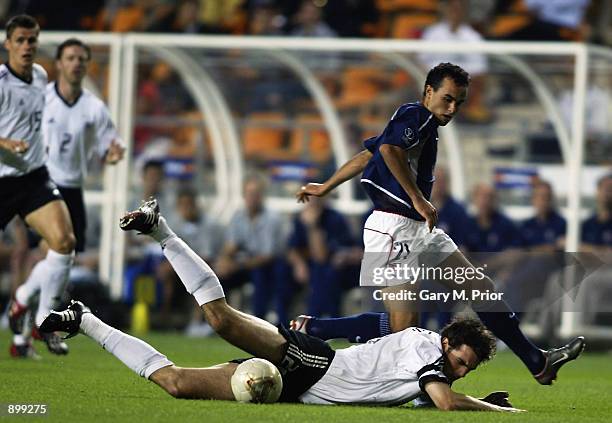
[{"x": 91, "y": 385}]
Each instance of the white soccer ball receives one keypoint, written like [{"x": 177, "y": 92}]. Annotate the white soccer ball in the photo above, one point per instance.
[{"x": 257, "y": 380}]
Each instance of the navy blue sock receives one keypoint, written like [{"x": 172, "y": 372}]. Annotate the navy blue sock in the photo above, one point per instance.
[
  {"x": 505, "y": 326},
  {"x": 357, "y": 328}
]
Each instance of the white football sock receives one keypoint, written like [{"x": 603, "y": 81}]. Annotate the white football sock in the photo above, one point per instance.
[
  {"x": 197, "y": 276},
  {"x": 32, "y": 285},
  {"x": 162, "y": 232},
  {"x": 56, "y": 272},
  {"x": 139, "y": 356}
]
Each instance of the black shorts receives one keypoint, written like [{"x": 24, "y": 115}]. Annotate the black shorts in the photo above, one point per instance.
[
  {"x": 306, "y": 361},
  {"x": 73, "y": 197},
  {"x": 21, "y": 195}
]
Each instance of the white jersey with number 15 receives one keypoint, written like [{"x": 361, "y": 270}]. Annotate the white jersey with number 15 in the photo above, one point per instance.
[{"x": 21, "y": 109}]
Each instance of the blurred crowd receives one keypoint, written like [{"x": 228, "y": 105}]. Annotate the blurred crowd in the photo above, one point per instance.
[
  {"x": 278, "y": 265},
  {"x": 586, "y": 20}
]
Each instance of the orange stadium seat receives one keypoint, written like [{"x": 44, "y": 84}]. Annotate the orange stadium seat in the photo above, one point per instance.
[
  {"x": 411, "y": 25},
  {"x": 309, "y": 129},
  {"x": 402, "y": 5},
  {"x": 263, "y": 136},
  {"x": 359, "y": 85}
]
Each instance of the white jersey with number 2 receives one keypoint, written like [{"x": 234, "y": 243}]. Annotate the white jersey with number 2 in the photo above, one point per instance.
[{"x": 75, "y": 134}]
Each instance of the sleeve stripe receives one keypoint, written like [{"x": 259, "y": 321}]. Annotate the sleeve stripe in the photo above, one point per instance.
[
  {"x": 437, "y": 365},
  {"x": 431, "y": 378}
]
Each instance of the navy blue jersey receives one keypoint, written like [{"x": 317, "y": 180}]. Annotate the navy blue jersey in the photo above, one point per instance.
[
  {"x": 337, "y": 231},
  {"x": 452, "y": 219},
  {"x": 596, "y": 232},
  {"x": 415, "y": 129},
  {"x": 502, "y": 234},
  {"x": 536, "y": 232}
]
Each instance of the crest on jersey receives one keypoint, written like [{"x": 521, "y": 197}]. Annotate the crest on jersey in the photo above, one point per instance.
[{"x": 409, "y": 137}]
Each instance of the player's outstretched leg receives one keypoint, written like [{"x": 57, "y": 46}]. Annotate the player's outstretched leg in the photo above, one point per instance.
[
  {"x": 502, "y": 321},
  {"x": 142, "y": 358},
  {"x": 357, "y": 328},
  {"x": 249, "y": 333}
]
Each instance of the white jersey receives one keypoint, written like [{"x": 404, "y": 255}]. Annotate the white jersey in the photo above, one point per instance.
[
  {"x": 21, "y": 110},
  {"x": 74, "y": 134},
  {"x": 391, "y": 370}
]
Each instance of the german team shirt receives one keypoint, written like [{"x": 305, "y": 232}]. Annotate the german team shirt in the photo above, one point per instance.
[
  {"x": 391, "y": 370},
  {"x": 74, "y": 134},
  {"x": 21, "y": 109},
  {"x": 414, "y": 129}
]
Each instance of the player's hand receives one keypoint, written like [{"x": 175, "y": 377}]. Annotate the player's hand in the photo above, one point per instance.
[
  {"x": 14, "y": 146},
  {"x": 318, "y": 190},
  {"x": 114, "y": 153},
  {"x": 498, "y": 398},
  {"x": 428, "y": 211}
]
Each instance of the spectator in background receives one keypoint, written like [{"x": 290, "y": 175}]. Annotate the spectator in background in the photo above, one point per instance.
[
  {"x": 205, "y": 236},
  {"x": 554, "y": 20},
  {"x": 597, "y": 229},
  {"x": 320, "y": 235},
  {"x": 454, "y": 27},
  {"x": 489, "y": 230},
  {"x": 308, "y": 22},
  {"x": 252, "y": 251},
  {"x": 142, "y": 256},
  {"x": 186, "y": 19},
  {"x": 452, "y": 216},
  {"x": 452, "y": 219},
  {"x": 542, "y": 237},
  {"x": 544, "y": 231}
]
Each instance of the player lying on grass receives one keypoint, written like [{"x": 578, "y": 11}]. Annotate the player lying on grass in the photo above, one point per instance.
[{"x": 391, "y": 370}]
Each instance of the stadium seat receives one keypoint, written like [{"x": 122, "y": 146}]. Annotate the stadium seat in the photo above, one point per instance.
[
  {"x": 264, "y": 135},
  {"x": 310, "y": 137},
  {"x": 407, "y": 5},
  {"x": 359, "y": 85},
  {"x": 411, "y": 25}
]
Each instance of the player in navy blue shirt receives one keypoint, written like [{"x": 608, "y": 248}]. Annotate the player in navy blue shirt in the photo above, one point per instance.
[
  {"x": 546, "y": 229},
  {"x": 489, "y": 230},
  {"x": 597, "y": 230},
  {"x": 542, "y": 235},
  {"x": 398, "y": 168},
  {"x": 320, "y": 234}
]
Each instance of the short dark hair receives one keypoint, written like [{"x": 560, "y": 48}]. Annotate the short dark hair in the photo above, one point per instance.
[
  {"x": 438, "y": 73},
  {"x": 69, "y": 43},
  {"x": 20, "y": 21},
  {"x": 153, "y": 164},
  {"x": 470, "y": 332}
]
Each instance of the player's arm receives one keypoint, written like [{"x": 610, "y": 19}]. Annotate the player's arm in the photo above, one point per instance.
[
  {"x": 115, "y": 152},
  {"x": 14, "y": 146},
  {"x": 347, "y": 171},
  {"x": 448, "y": 400},
  {"x": 396, "y": 158}
]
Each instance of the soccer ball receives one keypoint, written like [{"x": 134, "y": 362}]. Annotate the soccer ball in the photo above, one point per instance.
[{"x": 257, "y": 380}]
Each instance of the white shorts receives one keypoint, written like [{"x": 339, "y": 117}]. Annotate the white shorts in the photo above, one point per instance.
[{"x": 397, "y": 242}]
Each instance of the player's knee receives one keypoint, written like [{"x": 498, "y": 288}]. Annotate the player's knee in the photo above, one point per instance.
[{"x": 64, "y": 243}]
